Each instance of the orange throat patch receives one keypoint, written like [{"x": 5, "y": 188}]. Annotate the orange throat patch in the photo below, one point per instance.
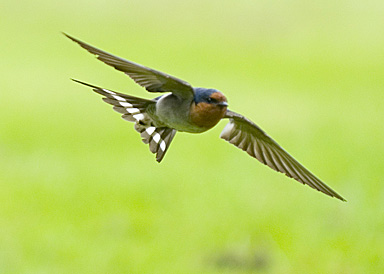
[{"x": 206, "y": 115}]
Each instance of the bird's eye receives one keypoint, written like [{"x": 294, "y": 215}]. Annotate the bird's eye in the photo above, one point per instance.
[{"x": 211, "y": 100}]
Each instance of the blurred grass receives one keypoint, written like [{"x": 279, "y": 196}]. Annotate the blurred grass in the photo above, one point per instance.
[{"x": 82, "y": 194}]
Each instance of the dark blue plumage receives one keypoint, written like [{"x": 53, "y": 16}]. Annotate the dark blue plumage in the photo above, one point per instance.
[{"x": 203, "y": 94}]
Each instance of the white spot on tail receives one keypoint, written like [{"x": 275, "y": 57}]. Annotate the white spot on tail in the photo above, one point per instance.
[
  {"x": 108, "y": 91},
  {"x": 125, "y": 104},
  {"x": 133, "y": 110},
  {"x": 118, "y": 98},
  {"x": 150, "y": 130},
  {"x": 138, "y": 116},
  {"x": 156, "y": 137},
  {"x": 162, "y": 146}
]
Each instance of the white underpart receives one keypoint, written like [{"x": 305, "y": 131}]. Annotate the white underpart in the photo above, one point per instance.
[{"x": 163, "y": 97}]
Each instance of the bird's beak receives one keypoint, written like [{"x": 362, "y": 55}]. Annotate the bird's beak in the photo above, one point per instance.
[{"x": 222, "y": 104}]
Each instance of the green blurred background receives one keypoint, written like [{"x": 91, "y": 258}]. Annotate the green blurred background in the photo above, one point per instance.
[{"x": 80, "y": 193}]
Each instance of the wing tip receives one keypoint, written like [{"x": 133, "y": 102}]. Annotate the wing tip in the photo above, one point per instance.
[
  {"x": 337, "y": 196},
  {"x": 71, "y": 38},
  {"x": 65, "y": 34},
  {"x": 83, "y": 83},
  {"x": 228, "y": 134}
]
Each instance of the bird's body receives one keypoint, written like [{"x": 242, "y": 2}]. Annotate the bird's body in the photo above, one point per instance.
[
  {"x": 194, "y": 110},
  {"x": 185, "y": 115}
]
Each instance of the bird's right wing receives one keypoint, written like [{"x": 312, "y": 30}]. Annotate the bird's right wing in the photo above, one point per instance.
[
  {"x": 247, "y": 136},
  {"x": 152, "y": 80}
]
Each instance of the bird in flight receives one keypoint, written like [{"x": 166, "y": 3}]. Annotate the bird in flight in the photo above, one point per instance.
[{"x": 195, "y": 110}]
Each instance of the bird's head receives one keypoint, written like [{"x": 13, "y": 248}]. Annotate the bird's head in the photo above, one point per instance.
[
  {"x": 208, "y": 108},
  {"x": 210, "y": 96}
]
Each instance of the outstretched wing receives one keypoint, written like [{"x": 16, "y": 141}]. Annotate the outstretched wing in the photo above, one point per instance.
[
  {"x": 247, "y": 136},
  {"x": 134, "y": 109},
  {"x": 152, "y": 80}
]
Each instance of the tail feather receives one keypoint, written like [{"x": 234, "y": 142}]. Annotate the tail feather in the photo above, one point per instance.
[
  {"x": 158, "y": 139},
  {"x": 133, "y": 109}
]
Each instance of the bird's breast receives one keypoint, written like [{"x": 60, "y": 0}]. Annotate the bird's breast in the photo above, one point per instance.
[{"x": 206, "y": 115}]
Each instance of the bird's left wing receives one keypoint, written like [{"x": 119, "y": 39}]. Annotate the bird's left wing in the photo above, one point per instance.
[
  {"x": 247, "y": 136},
  {"x": 152, "y": 80}
]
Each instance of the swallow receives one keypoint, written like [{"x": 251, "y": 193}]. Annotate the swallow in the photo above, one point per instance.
[{"x": 195, "y": 110}]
